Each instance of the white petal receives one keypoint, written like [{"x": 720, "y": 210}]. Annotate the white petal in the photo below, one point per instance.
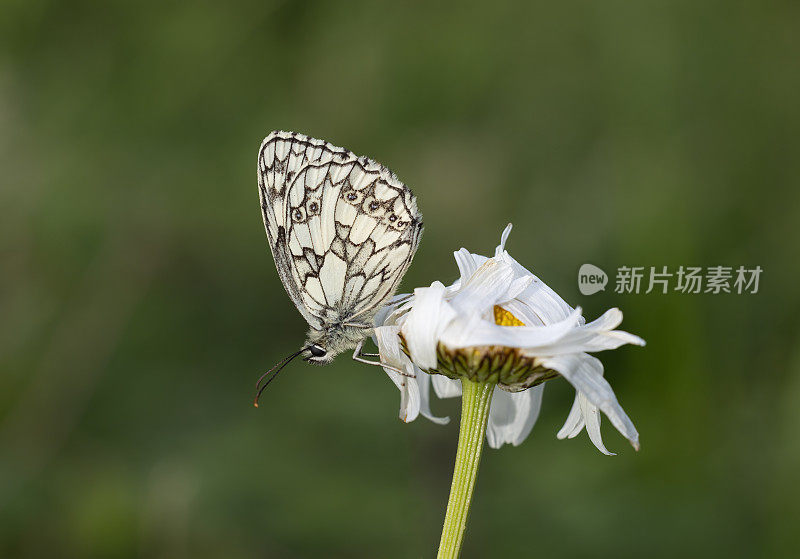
[
  {"x": 574, "y": 423},
  {"x": 595, "y": 336},
  {"x": 388, "y": 342},
  {"x": 502, "y": 414},
  {"x": 535, "y": 396},
  {"x": 592, "y": 419},
  {"x": 485, "y": 288},
  {"x": 512, "y": 416},
  {"x": 391, "y": 354},
  {"x": 409, "y": 398},
  {"x": 423, "y": 381},
  {"x": 422, "y": 324},
  {"x": 610, "y": 339},
  {"x": 461, "y": 330},
  {"x": 503, "y": 238},
  {"x": 466, "y": 264},
  {"x": 523, "y": 312},
  {"x": 468, "y": 332},
  {"x": 548, "y": 304},
  {"x": 518, "y": 286},
  {"x": 585, "y": 373},
  {"x": 445, "y": 387},
  {"x": 383, "y": 314}
]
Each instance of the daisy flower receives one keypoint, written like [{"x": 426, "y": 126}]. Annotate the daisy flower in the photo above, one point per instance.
[{"x": 501, "y": 326}]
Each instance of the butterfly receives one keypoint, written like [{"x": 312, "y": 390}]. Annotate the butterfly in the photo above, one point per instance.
[{"x": 343, "y": 230}]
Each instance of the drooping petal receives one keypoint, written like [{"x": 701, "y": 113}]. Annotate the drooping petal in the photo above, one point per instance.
[
  {"x": 606, "y": 324},
  {"x": 409, "y": 397},
  {"x": 584, "y": 413},
  {"x": 594, "y": 336},
  {"x": 502, "y": 414},
  {"x": 445, "y": 387},
  {"x": 535, "y": 395},
  {"x": 388, "y": 341},
  {"x": 591, "y": 417},
  {"x": 422, "y": 324},
  {"x": 585, "y": 373},
  {"x": 574, "y": 423},
  {"x": 392, "y": 355},
  {"x": 512, "y": 416},
  {"x": 424, "y": 383},
  {"x": 414, "y": 390}
]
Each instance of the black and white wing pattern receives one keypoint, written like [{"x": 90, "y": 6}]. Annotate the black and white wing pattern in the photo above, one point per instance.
[{"x": 343, "y": 229}]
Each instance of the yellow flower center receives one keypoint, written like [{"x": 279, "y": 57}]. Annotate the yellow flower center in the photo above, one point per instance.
[{"x": 503, "y": 317}]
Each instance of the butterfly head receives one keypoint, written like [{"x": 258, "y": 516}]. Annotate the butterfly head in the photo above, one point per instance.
[
  {"x": 325, "y": 344},
  {"x": 318, "y": 355}
]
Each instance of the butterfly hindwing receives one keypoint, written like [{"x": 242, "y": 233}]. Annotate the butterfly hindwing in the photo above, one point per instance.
[{"x": 343, "y": 229}]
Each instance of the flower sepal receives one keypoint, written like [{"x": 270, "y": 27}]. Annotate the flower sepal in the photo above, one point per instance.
[{"x": 507, "y": 367}]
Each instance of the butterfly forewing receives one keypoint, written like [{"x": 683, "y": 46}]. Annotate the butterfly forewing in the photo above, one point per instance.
[{"x": 342, "y": 229}]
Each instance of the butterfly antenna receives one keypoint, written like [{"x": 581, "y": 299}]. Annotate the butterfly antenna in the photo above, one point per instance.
[{"x": 277, "y": 368}]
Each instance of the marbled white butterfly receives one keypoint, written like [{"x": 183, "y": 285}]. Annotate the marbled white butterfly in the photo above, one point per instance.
[{"x": 343, "y": 230}]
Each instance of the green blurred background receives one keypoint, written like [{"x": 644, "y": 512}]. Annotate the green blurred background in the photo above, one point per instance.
[{"x": 139, "y": 301}]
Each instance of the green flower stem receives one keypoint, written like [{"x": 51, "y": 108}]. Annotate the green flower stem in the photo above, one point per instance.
[{"x": 475, "y": 400}]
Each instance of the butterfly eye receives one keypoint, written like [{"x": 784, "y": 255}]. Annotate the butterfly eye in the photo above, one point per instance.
[
  {"x": 299, "y": 214},
  {"x": 317, "y": 351}
]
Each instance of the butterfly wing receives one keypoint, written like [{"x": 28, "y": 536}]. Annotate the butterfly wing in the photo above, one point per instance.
[{"x": 343, "y": 229}]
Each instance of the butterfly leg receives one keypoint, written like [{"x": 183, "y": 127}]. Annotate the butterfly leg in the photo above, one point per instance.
[{"x": 358, "y": 356}]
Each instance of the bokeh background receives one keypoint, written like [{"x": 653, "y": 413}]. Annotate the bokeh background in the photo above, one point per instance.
[{"x": 139, "y": 301}]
